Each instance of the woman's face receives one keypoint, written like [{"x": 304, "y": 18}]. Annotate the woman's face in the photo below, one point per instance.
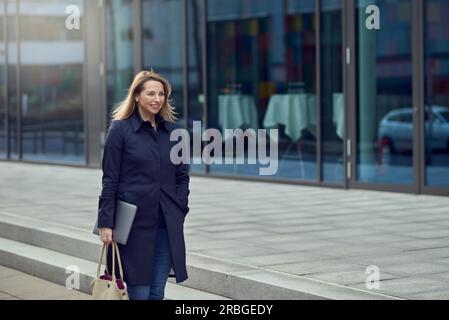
[{"x": 152, "y": 97}]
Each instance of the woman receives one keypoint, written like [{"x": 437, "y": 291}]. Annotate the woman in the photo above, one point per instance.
[{"x": 137, "y": 169}]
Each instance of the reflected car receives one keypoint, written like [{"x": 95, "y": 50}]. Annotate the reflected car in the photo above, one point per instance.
[{"x": 395, "y": 132}]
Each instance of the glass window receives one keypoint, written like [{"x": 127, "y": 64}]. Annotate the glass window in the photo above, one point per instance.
[
  {"x": 332, "y": 98},
  {"x": 163, "y": 45},
  {"x": 119, "y": 51},
  {"x": 395, "y": 118},
  {"x": 51, "y": 79},
  {"x": 385, "y": 148},
  {"x": 436, "y": 50},
  {"x": 261, "y": 75},
  {"x": 407, "y": 117}
]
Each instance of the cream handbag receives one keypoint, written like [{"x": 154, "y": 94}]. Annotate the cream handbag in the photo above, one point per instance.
[{"x": 108, "y": 287}]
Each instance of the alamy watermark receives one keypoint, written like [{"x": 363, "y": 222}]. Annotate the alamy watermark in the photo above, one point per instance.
[
  {"x": 372, "y": 22},
  {"x": 73, "y": 279},
  {"x": 73, "y": 20},
  {"x": 212, "y": 153},
  {"x": 373, "y": 280}
]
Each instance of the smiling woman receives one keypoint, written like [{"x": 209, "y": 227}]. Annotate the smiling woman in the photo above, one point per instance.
[
  {"x": 150, "y": 100},
  {"x": 136, "y": 165}
]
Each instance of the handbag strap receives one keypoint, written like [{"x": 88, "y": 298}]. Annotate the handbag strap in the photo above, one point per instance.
[
  {"x": 101, "y": 260},
  {"x": 119, "y": 260},
  {"x": 113, "y": 261},
  {"x": 114, "y": 250}
]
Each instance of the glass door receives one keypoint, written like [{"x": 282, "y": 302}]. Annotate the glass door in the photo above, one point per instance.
[{"x": 382, "y": 111}]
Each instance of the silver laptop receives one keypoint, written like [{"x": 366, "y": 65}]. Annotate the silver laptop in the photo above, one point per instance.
[{"x": 124, "y": 217}]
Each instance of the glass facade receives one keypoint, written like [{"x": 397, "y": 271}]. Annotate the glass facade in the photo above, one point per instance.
[
  {"x": 51, "y": 81},
  {"x": 353, "y": 106}
]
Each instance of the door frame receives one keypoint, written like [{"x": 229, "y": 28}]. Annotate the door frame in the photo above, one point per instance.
[{"x": 419, "y": 17}]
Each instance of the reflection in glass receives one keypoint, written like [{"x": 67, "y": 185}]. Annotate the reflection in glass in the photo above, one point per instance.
[
  {"x": 2, "y": 83},
  {"x": 195, "y": 69},
  {"x": 163, "y": 45},
  {"x": 437, "y": 92},
  {"x": 384, "y": 119},
  {"x": 119, "y": 51},
  {"x": 332, "y": 98},
  {"x": 261, "y": 74},
  {"x": 51, "y": 69}
]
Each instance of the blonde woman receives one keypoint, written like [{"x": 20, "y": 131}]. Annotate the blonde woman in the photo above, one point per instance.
[{"x": 137, "y": 169}]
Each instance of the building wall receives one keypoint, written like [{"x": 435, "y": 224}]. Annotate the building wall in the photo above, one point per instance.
[{"x": 240, "y": 64}]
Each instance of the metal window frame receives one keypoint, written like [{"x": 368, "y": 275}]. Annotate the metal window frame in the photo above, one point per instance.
[
  {"x": 84, "y": 89},
  {"x": 94, "y": 83},
  {"x": 185, "y": 65},
  {"x": 205, "y": 72},
  {"x": 418, "y": 95},
  {"x": 320, "y": 177},
  {"x": 18, "y": 87},
  {"x": 350, "y": 93},
  {"x": 421, "y": 84},
  {"x": 318, "y": 86},
  {"x": 5, "y": 79}
]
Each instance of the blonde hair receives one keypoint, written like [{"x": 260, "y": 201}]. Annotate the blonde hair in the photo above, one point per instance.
[{"x": 126, "y": 108}]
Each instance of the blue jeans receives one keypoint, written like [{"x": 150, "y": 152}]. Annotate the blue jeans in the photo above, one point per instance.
[{"x": 162, "y": 264}]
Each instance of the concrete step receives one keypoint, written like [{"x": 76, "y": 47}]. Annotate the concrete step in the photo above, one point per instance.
[
  {"x": 207, "y": 274},
  {"x": 60, "y": 268}
]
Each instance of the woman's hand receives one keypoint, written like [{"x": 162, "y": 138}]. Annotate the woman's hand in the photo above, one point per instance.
[{"x": 106, "y": 235}]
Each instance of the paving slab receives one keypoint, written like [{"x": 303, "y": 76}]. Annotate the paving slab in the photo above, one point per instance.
[
  {"x": 408, "y": 287},
  {"x": 15, "y": 285}
]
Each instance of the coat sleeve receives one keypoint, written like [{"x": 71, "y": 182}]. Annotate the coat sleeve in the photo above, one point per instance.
[{"x": 111, "y": 163}]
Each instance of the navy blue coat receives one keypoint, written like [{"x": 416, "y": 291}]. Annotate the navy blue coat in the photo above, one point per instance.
[{"x": 137, "y": 169}]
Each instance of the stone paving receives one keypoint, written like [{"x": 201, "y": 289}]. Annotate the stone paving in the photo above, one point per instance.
[
  {"x": 326, "y": 234},
  {"x": 15, "y": 285}
]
